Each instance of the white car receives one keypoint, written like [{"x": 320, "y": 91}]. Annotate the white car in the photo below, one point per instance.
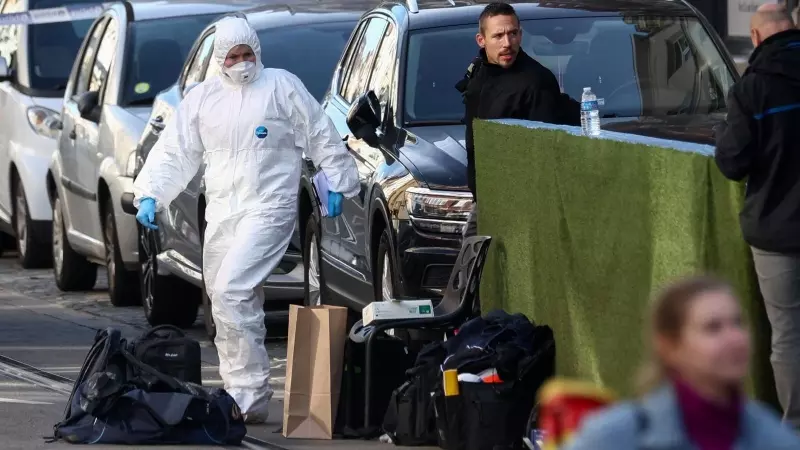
[{"x": 35, "y": 62}]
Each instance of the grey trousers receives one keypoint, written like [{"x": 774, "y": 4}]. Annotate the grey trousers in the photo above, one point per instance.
[
  {"x": 472, "y": 222},
  {"x": 779, "y": 280}
]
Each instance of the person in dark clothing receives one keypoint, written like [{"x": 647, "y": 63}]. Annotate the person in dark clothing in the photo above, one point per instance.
[
  {"x": 505, "y": 83},
  {"x": 761, "y": 142}
]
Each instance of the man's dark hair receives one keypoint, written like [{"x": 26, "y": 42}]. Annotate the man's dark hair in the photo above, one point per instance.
[{"x": 496, "y": 9}]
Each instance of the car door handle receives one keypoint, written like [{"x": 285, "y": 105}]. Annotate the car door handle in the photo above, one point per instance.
[{"x": 73, "y": 135}]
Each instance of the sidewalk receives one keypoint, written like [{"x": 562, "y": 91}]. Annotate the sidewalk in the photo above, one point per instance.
[{"x": 270, "y": 434}]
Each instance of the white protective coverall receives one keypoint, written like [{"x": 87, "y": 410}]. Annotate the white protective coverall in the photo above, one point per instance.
[{"x": 251, "y": 137}]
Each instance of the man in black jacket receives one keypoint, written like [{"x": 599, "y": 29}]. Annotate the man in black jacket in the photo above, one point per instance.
[
  {"x": 505, "y": 83},
  {"x": 761, "y": 142}
]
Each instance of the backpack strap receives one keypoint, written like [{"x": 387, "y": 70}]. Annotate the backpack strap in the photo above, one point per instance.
[{"x": 472, "y": 69}]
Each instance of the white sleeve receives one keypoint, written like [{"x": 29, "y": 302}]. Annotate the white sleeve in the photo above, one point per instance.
[
  {"x": 324, "y": 145},
  {"x": 174, "y": 159}
]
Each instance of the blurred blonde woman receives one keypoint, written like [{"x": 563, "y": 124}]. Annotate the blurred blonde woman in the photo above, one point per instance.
[{"x": 692, "y": 388}]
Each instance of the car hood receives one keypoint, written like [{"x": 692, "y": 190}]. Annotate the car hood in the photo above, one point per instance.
[
  {"x": 438, "y": 156},
  {"x": 697, "y": 128}
]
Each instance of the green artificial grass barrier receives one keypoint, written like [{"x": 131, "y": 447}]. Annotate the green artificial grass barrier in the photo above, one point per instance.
[{"x": 586, "y": 230}]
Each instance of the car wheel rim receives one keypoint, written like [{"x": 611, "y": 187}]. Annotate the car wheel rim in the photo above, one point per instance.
[
  {"x": 58, "y": 243},
  {"x": 314, "y": 297},
  {"x": 386, "y": 284},
  {"x": 386, "y": 280},
  {"x": 21, "y": 228},
  {"x": 148, "y": 275}
]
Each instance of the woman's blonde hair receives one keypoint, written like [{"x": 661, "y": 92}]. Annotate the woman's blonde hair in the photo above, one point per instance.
[{"x": 668, "y": 314}]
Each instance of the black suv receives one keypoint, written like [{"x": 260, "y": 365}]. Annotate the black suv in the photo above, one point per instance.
[{"x": 657, "y": 64}]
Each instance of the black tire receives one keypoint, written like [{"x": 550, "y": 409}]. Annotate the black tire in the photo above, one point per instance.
[
  {"x": 385, "y": 249},
  {"x": 310, "y": 242},
  {"x": 165, "y": 299},
  {"x": 123, "y": 285},
  {"x": 72, "y": 271},
  {"x": 208, "y": 318},
  {"x": 205, "y": 300},
  {"x": 32, "y": 253}
]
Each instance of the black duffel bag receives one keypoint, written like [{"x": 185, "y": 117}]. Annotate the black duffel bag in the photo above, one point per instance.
[
  {"x": 494, "y": 416},
  {"x": 170, "y": 351},
  {"x": 147, "y": 407}
]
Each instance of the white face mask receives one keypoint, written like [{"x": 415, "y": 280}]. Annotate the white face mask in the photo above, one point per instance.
[{"x": 241, "y": 73}]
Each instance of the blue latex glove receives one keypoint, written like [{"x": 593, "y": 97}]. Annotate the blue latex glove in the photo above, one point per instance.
[
  {"x": 334, "y": 203},
  {"x": 147, "y": 213}
]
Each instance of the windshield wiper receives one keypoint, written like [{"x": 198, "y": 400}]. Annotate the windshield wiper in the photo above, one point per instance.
[{"x": 59, "y": 87}]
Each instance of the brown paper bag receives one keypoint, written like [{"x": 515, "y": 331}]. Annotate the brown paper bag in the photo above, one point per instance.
[{"x": 313, "y": 371}]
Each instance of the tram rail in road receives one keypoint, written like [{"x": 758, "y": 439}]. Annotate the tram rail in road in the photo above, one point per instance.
[{"x": 18, "y": 370}]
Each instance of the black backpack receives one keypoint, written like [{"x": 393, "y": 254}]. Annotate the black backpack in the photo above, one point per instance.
[
  {"x": 167, "y": 349},
  {"x": 415, "y": 407}
]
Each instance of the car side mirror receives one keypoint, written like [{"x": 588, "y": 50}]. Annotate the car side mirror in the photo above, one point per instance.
[
  {"x": 89, "y": 106},
  {"x": 364, "y": 118},
  {"x": 5, "y": 72}
]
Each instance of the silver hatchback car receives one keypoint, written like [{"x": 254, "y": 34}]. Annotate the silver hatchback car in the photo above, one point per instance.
[{"x": 132, "y": 52}]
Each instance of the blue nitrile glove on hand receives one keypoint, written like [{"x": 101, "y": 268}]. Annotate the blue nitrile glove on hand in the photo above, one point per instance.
[
  {"x": 334, "y": 203},
  {"x": 147, "y": 213}
]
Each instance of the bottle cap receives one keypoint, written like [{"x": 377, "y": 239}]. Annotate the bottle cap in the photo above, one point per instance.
[{"x": 587, "y": 89}]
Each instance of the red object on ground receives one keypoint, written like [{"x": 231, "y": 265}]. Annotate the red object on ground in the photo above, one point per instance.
[{"x": 563, "y": 404}]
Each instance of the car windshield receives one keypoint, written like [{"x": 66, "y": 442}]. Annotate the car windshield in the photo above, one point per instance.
[
  {"x": 651, "y": 66},
  {"x": 53, "y": 47},
  {"x": 290, "y": 48},
  {"x": 156, "y": 52}
]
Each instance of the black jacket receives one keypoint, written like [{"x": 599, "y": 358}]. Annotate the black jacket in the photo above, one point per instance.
[
  {"x": 526, "y": 90},
  {"x": 761, "y": 142}
]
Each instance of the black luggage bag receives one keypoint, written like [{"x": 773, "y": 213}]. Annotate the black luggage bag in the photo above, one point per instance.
[{"x": 392, "y": 358}]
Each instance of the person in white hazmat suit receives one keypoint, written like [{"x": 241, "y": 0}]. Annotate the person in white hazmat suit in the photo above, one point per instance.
[{"x": 250, "y": 125}]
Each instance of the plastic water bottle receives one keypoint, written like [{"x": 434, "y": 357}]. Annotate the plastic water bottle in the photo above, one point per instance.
[{"x": 590, "y": 114}]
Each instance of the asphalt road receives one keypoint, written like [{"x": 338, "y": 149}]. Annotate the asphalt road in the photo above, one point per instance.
[{"x": 51, "y": 331}]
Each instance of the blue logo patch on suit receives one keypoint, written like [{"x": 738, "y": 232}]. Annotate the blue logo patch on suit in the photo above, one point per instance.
[{"x": 261, "y": 132}]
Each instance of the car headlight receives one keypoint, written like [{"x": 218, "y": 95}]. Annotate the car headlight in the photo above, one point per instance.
[
  {"x": 438, "y": 211},
  {"x": 44, "y": 121},
  {"x": 134, "y": 164}
]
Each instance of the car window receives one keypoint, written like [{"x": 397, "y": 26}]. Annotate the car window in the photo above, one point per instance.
[
  {"x": 155, "y": 55},
  {"x": 381, "y": 79},
  {"x": 197, "y": 70},
  {"x": 363, "y": 57},
  {"x": 347, "y": 61},
  {"x": 52, "y": 47},
  {"x": 288, "y": 48},
  {"x": 105, "y": 56},
  {"x": 88, "y": 57},
  {"x": 640, "y": 66}
]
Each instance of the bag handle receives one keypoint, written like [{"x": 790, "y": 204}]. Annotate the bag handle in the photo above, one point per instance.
[{"x": 153, "y": 331}]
